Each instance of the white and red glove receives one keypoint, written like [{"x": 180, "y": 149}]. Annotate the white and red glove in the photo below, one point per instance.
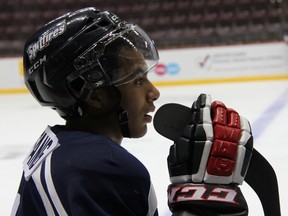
[{"x": 209, "y": 161}]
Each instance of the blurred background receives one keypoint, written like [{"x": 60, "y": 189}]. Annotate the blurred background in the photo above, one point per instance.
[{"x": 171, "y": 23}]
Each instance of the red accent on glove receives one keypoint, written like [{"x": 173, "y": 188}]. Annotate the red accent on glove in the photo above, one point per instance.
[
  {"x": 222, "y": 148},
  {"x": 220, "y": 166},
  {"x": 227, "y": 132}
]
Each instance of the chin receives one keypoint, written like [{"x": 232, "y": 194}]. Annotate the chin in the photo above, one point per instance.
[{"x": 139, "y": 133}]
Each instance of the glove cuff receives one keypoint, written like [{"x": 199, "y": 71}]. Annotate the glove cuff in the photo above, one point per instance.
[{"x": 219, "y": 199}]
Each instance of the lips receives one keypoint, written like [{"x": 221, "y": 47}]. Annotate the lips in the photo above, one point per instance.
[{"x": 147, "y": 117}]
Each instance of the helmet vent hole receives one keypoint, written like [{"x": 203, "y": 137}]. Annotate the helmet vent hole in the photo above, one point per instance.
[
  {"x": 103, "y": 23},
  {"x": 77, "y": 85}
]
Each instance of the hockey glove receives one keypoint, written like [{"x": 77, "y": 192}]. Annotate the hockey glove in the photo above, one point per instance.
[{"x": 209, "y": 160}]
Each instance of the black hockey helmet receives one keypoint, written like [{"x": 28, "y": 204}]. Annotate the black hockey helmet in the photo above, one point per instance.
[{"x": 74, "y": 54}]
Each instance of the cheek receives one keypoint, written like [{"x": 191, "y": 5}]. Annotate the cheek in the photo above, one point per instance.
[
  {"x": 134, "y": 105},
  {"x": 134, "y": 108},
  {"x": 131, "y": 100},
  {"x": 128, "y": 102}
]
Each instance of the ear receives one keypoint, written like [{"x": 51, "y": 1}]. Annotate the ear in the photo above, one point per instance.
[{"x": 96, "y": 99}]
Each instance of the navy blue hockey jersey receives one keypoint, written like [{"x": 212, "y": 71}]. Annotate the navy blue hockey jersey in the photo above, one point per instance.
[{"x": 79, "y": 173}]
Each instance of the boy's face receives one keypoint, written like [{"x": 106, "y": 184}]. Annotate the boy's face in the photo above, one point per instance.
[{"x": 138, "y": 95}]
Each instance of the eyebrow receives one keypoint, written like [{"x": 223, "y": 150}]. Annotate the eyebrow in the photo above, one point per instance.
[{"x": 140, "y": 69}]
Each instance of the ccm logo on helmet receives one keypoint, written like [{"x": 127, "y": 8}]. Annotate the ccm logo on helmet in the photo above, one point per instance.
[
  {"x": 45, "y": 39},
  {"x": 37, "y": 64}
]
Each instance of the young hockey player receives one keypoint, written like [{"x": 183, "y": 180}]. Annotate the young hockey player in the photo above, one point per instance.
[{"x": 91, "y": 67}]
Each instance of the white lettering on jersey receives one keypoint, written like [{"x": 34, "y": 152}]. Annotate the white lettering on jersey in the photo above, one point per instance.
[{"x": 43, "y": 147}]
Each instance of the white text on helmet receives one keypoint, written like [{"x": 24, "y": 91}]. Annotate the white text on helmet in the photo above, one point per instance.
[
  {"x": 37, "y": 64},
  {"x": 45, "y": 39}
]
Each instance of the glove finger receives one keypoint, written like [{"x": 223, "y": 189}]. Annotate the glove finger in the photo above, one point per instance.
[
  {"x": 224, "y": 117},
  {"x": 203, "y": 103},
  {"x": 233, "y": 119},
  {"x": 179, "y": 159},
  {"x": 244, "y": 153},
  {"x": 219, "y": 112},
  {"x": 203, "y": 137}
]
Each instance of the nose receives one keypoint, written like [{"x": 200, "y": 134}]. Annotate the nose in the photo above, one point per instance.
[{"x": 153, "y": 94}]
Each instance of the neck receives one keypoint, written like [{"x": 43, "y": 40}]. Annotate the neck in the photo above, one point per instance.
[{"x": 108, "y": 126}]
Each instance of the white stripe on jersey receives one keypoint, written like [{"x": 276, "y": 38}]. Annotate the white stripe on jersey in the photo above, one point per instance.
[
  {"x": 15, "y": 205},
  {"x": 51, "y": 188},
  {"x": 37, "y": 180},
  {"x": 152, "y": 201}
]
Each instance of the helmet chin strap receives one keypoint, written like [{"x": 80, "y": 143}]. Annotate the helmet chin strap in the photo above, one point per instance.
[
  {"x": 123, "y": 117},
  {"x": 123, "y": 120}
]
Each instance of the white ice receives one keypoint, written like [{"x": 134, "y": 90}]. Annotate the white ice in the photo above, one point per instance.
[{"x": 264, "y": 104}]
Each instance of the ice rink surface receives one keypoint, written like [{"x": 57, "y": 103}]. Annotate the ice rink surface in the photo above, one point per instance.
[{"x": 264, "y": 104}]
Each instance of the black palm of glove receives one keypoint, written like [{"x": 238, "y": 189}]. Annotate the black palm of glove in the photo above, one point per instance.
[{"x": 209, "y": 160}]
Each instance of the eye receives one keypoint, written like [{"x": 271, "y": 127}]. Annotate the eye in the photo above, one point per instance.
[{"x": 138, "y": 81}]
